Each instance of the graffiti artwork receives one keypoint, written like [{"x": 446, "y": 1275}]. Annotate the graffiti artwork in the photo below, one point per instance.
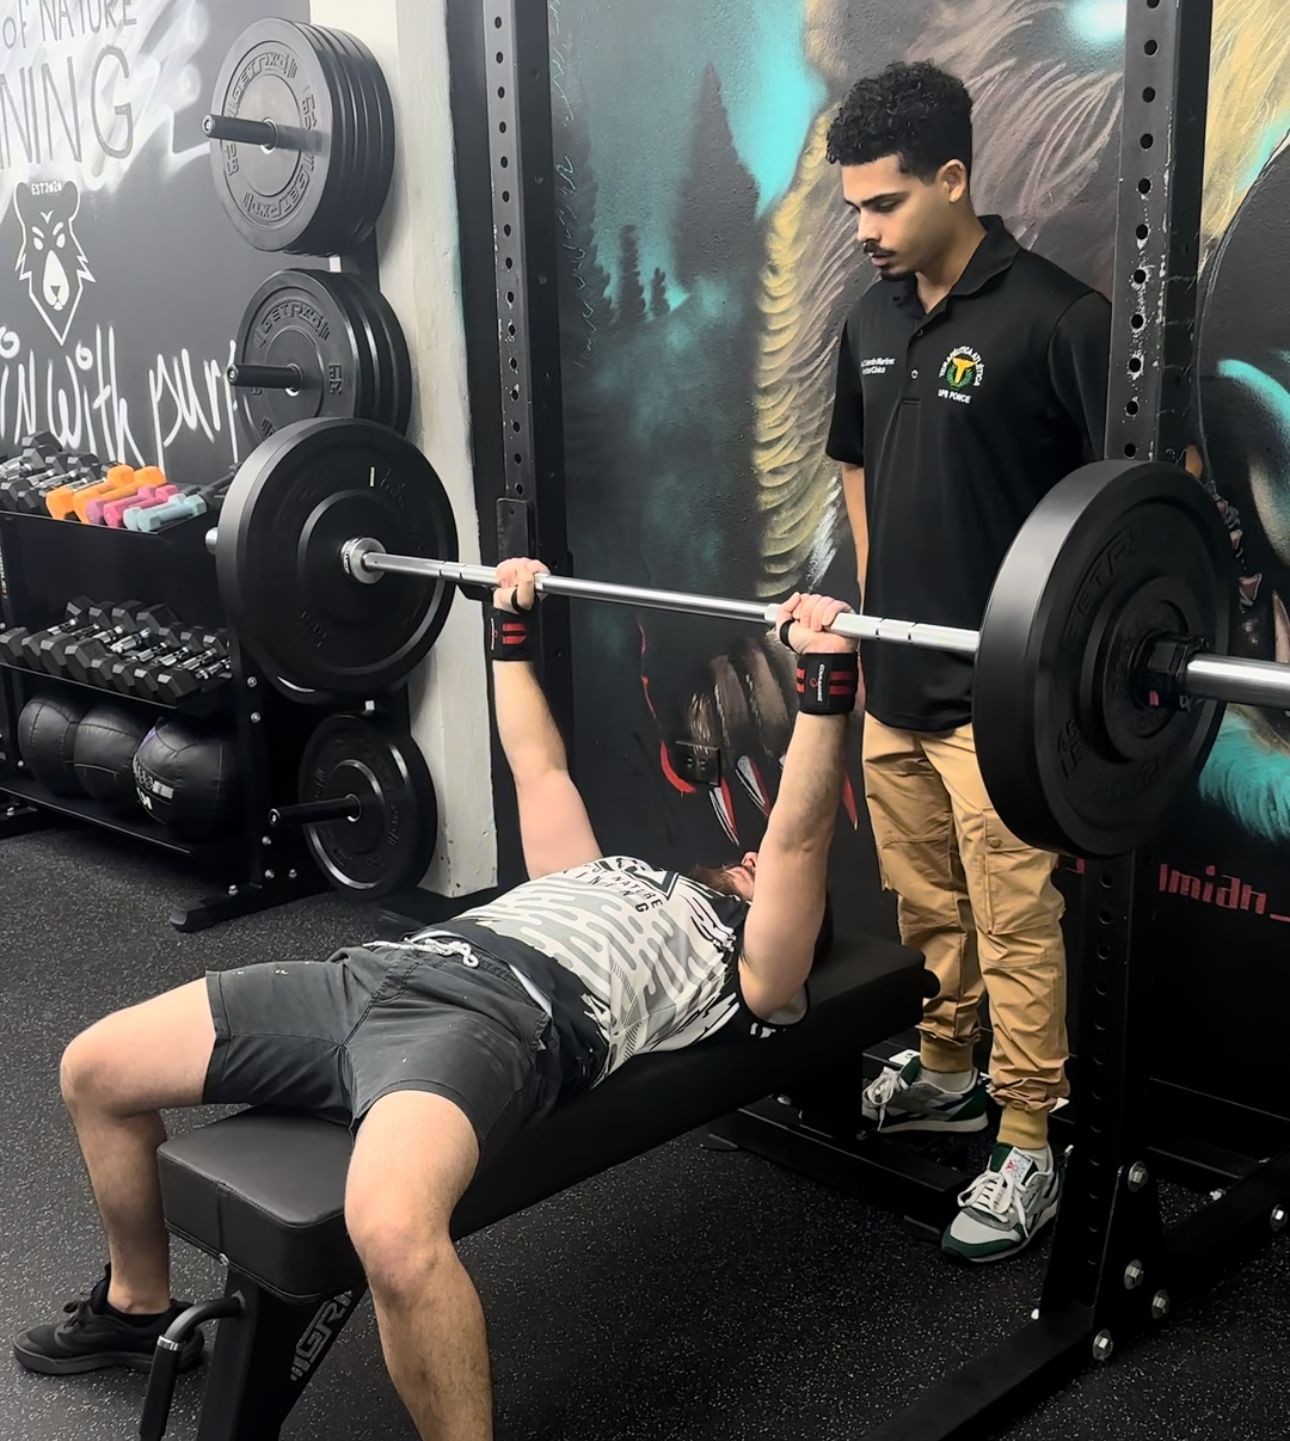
[{"x": 104, "y": 187}]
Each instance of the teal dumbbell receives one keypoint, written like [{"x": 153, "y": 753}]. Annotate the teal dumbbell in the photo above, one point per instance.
[{"x": 179, "y": 507}]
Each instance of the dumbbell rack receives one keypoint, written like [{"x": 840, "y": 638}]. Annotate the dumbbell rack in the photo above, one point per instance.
[
  {"x": 43, "y": 561},
  {"x": 261, "y": 867}
]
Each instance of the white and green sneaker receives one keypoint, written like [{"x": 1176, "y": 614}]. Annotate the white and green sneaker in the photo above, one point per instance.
[
  {"x": 903, "y": 1099},
  {"x": 1005, "y": 1208}
]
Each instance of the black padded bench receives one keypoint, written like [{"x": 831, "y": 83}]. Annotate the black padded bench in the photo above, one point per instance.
[{"x": 264, "y": 1191}]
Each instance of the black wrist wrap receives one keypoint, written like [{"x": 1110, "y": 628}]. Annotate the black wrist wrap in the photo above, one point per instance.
[
  {"x": 512, "y": 637},
  {"x": 827, "y": 683}
]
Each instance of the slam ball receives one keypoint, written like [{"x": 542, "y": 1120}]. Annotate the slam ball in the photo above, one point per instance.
[
  {"x": 190, "y": 780},
  {"x": 106, "y": 741},
  {"x": 47, "y": 739}
]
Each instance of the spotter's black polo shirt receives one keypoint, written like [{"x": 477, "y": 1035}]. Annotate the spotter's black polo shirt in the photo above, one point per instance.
[{"x": 963, "y": 417}]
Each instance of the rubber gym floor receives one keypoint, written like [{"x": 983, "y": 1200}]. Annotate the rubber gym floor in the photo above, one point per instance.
[{"x": 687, "y": 1294}]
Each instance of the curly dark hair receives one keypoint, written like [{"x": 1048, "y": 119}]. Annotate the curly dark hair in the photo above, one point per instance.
[{"x": 916, "y": 112}]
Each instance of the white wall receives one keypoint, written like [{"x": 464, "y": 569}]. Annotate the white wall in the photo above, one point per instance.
[{"x": 420, "y": 276}]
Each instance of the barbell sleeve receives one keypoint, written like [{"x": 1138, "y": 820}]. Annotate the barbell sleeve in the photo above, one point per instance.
[
  {"x": 1243, "y": 682},
  {"x": 858, "y": 627},
  {"x": 341, "y": 808}
]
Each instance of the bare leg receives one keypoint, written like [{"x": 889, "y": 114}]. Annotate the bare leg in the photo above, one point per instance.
[
  {"x": 116, "y": 1077},
  {"x": 415, "y": 1156}
]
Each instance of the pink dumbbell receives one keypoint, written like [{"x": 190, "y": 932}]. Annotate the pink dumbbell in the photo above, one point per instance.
[{"x": 114, "y": 511}]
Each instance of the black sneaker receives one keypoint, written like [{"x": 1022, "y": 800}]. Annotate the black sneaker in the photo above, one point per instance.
[{"x": 92, "y": 1340}]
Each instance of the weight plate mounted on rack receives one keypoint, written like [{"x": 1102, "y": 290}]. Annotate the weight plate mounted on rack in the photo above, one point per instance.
[
  {"x": 302, "y": 139},
  {"x": 389, "y": 842},
  {"x": 315, "y": 343},
  {"x": 274, "y": 195},
  {"x": 389, "y": 347},
  {"x": 296, "y": 501},
  {"x": 294, "y": 328},
  {"x": 374, "y": 99}
]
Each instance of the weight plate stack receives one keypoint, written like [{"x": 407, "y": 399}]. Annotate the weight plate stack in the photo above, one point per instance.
[
  {"x": 317, "y": 344},
  {"x": 387, "y": 344},
  {"x": 390, "y": 843},
  {"x": 319, "y": 189}
]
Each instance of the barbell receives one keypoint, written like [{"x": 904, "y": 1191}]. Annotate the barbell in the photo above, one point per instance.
[{"x": 1100, "y": 666}]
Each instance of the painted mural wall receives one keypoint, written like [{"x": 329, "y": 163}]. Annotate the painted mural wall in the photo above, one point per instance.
[
  {"x": 707, "y": 267},
  {"x": 121, "y": 280}
]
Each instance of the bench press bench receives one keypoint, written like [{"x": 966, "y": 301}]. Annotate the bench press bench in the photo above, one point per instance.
[{"x": 264, "y": 1191}]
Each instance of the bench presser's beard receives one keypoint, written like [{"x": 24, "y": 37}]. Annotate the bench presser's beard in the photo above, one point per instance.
[{"x": 716, "y": 878}]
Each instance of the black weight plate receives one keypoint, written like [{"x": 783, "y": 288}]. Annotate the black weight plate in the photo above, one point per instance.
[
  {"x": 357, "y": 329},
  {"x": 355, "y": 295},
  {"x": 395, "y": 354},
  {"x": 1074, "y": 757},
  {"x": 273, "y": 196},
  {"x": 359, "y": 198},
  {"x": 391, "y": 348},
  {"x": 368, "y": 196},
  {"x": 296, "y": 501},
  {"x": 295, "y": 318},
  {"x": 392, "y": 843},
  {"x": 330, "y": 235},
  {"x": 380, "y": 151}
]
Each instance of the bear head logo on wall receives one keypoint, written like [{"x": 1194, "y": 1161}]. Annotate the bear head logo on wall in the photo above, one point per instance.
[{"x": 51, "y": 260}]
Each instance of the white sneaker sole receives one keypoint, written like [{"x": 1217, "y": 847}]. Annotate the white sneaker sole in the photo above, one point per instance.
[{"x": 1044, "y": 1217}]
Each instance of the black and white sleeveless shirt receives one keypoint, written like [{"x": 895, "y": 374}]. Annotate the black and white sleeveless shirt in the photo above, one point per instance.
[{"x": 627, "y": 958}]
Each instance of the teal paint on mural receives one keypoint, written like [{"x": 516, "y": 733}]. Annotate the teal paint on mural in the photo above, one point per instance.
[
  {"x": 641, "y": 68},
  {"x": 1274, "y": 396},
  {"x": 1268, "y": 484},
  {"x": 773, "y": 101},
  {"x": 1265, "y": 150},
  {"x": 1098, "y": 22},
  {"x": 1247, "y": 775}
]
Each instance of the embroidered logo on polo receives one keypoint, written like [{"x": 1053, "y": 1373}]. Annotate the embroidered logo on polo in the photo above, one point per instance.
[{"x": 962, "y": 373}]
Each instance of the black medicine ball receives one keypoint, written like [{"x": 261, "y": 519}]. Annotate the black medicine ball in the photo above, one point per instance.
[
  {"x": 46, "y": 742},
  {"x": 106, "y": 741},
  {"x": 190, "y": 780}
]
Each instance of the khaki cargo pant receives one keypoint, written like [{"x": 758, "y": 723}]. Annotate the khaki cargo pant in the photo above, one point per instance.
[{"x": 982, "y": 908}]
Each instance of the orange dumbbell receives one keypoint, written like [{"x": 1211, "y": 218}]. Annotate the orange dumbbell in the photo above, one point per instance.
[
  {"x": 61, "y": 503},
  {"x": 91, "y": 509}
]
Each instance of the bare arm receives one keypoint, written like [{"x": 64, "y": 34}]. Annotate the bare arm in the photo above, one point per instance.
[
  {"x": 792, "y": 865},
  {"x": 858, "y": 515},
  {"x": 530, "y": 738},
  {"x": 555, "y": 830}
]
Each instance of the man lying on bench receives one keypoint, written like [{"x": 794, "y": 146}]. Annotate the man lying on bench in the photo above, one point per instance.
[{"x": 440, "y": 1046}]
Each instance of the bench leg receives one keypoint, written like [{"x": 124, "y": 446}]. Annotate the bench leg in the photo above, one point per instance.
[{"x": 265, "y": 1359}]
